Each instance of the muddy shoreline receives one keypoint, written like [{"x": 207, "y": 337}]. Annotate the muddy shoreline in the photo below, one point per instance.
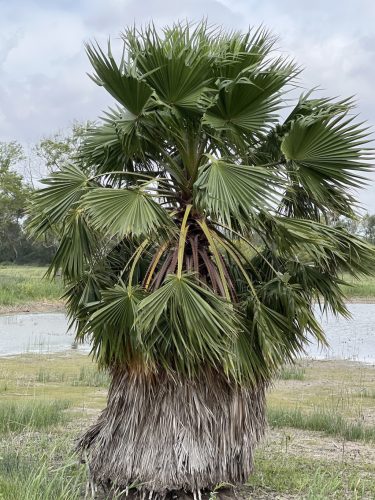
[
  {"x": 33, "y": 307},
  {"x": 360, "y": 300},
  {"x": 59, "y": 306}
]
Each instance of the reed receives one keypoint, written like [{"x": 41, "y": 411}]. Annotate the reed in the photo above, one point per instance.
[
  {"x": 18, "y": 416},
  {"x": 323, "y": 420}
]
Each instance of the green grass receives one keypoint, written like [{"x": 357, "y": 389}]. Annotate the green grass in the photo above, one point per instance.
[
  {"x": 18, "y": 416},
  {"x": 322, "y": 420},
  {"x": 292, "y": 372},
  {"x": 44, "y": 376},
  {"x": 38, "y": 481},
  {"x": 24, "y": 284},
  {"x": 28, "y": 474},
  {"x": 50, "y": 377},
  {"x": 367, "y": 393},
  {"x": 91, "y": 377},
  {"x": 310, "y": 479},
  {"x": 43, "y": 467},
  {"x": 364, "y": 287},
  {"x": 88, "y": 376}
]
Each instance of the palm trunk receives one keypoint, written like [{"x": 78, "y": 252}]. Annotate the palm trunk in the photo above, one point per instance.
[{"x": 167, "y": 433}]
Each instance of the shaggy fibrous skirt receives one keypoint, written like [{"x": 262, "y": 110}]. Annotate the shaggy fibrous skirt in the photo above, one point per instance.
[{"x": 166, "y": 432}]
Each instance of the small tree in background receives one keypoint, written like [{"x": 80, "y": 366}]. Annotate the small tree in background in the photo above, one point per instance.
[
  {"x": 368, "y": 223},
  {"x": 13, "y": 200},
  {"x": 56, "y": 151},
  {"x": 192, "y": 249}
]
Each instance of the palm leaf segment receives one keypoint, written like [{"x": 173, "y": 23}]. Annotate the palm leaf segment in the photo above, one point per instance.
[{"x": 191, "y": 226}]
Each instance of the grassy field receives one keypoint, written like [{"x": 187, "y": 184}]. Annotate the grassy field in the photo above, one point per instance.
[
  {"x": 320, "y": 442},
  {"x": 25, "y": 285},
  {"x": 363, "y": 288}
]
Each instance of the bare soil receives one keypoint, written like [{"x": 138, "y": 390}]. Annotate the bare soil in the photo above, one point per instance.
[
  {"x": 59, "y": 306},
  {"x": 34, "y": 307}
]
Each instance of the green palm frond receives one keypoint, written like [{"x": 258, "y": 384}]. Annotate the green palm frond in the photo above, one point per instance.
[
  {"x": 123, "y": 139},
  {"x": 111, "y": 326},
  {"x": 249, "y": 104},
  {"x": 102, "y": 149},
  {"x": 186, "y": 323},
  {"x": 242, "y": 53},
  {"x": 119, "y": 81},
  {"x": 232, "y": 192},
  {"x": 330, "y": 247},
  {"x": 176, "y": 66},
  {"x": 314, "y": 109},
  {"x": 78, "y": 245},
  {"x": 327, "y": 157},
  {"x": 122, "y": 212},
  {"x": 64, "y": 189}
]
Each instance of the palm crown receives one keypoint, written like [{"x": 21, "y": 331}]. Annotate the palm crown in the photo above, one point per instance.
[{"x": 191, "y": 225}]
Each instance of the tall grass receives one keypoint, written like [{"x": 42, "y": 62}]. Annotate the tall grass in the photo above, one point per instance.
[
  {"x": 20, "y": 284},
  {"x": 44, "y": 376},
  {"x": 91, "y": 377},
  {"x": 18, "y": 416},
  {"x": 88, "y": 376},
  {"x": 322, "y": 420},
  {"x": 363, "y": 287},
  {"x": 367, "y": 393},
  {"x": 30, "y": 473},
  {"x": 35, "y": 477},
  {"x": 323, "y": 485},
  {"x": 292, "y": 372},
  {"x": 308, "y": 478}
]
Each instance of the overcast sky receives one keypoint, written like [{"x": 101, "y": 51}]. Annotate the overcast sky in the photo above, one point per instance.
[{"x": 43, "y": 66}]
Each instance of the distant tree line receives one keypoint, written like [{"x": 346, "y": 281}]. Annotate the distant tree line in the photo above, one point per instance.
[{"x": 20, "y": 171}]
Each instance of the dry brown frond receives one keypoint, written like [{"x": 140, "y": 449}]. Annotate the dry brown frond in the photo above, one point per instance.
[{"x": 167, "y": 433}]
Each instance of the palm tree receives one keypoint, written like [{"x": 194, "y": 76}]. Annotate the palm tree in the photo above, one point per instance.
[{"x": 194, "y": 247}]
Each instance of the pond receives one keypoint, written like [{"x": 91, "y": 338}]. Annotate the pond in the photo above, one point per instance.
[
  {"x": 39, "y": 332},
  {"x": 352, "y": 339}
]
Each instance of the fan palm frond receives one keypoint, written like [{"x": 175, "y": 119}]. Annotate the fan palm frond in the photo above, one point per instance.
[
  {"x": 232, "y": 192},
  {"x": 52, "y": 204},
  {"x": 124, "y": 212}
]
